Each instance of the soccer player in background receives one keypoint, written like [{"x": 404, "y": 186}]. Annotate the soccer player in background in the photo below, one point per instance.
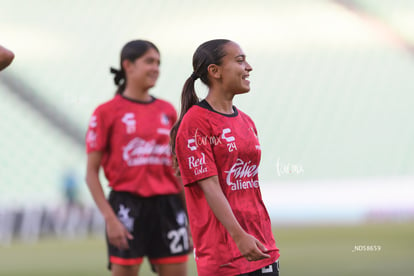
[
  {"x": 6, "y": 57},
  {"x": 128, "y": 136},
  {"x": 218, "y": 154}
]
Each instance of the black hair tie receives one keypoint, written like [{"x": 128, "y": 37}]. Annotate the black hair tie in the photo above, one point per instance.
[
  {"x": 119, "y": 75},
  {"x": 194, "y": 76}
]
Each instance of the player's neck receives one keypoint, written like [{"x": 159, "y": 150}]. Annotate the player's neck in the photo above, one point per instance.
[
  {"x": 220, "y": 102},
  {"x": 137, "y": 93}
]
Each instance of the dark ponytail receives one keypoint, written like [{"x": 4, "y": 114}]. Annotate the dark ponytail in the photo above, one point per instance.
[
  {"x": 131, "y": 51},
  {"x": 119, "y": 79},
  {"x": 210, "y": 52}
]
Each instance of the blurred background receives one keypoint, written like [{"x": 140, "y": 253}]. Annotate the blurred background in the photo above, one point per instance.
[{"x": 331, "y": 96}]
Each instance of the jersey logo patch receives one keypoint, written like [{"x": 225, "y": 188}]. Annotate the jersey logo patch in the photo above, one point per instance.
[
  {"x": 93, "y": 122},
  {"x": 228, "y": 139},
  {"x": 267, "y": 269},
  {"x": 181, "y": 218},
  {"x": 123, "y": 215},
  {"x": 231, "y": 144},
  {"x": 164, "y": 119},
  {"x": 91, "y": 138},
  {"x": 130, "y": 123},
  {"x": 191, "y": 144}
]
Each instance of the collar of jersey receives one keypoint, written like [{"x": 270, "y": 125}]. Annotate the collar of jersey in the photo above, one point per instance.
[
  {"x": 137, "y": 101},
  {"x": 206, "y": 105}
]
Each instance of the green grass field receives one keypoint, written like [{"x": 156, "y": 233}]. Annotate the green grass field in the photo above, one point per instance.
[{"x": 317, "y": 250}]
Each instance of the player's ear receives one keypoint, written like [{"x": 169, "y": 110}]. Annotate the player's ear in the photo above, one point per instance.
[
  {"x": 127, "y": 65},
  {"x": 214, "y": 71}
]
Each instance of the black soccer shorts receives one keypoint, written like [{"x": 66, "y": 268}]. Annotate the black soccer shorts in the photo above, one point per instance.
[
  {"x": 158, "y": 224},
  {"x": 270, "y": 270}
]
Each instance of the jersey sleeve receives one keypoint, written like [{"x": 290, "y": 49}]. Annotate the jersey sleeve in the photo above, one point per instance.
[
  {"x": 97, "y": 134},
  {"x": 194, "y": 150}
]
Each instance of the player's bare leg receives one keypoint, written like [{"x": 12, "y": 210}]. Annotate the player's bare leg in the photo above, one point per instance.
[
  {"x": 179, "y": 269},
  {"x": 124, "y": 270}
]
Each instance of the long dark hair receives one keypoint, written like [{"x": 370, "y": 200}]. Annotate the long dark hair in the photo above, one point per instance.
[
  {"x": 131, "y": 51},
  {"x": 210, "y": 52}
]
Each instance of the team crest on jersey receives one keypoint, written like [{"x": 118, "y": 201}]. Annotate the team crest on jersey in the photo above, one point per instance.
[
  {"x": 129, "y": 121},
  {"x": 257, "y": 138},
  {"x": 164, "y": 119},
  {"x": 123, "y": 215}
]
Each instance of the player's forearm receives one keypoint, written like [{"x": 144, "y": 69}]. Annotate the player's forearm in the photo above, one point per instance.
[
  {"x": 220, "y": 206},
  {"x": 182, "y": 193},
  {"x": 98, "y": 196}
]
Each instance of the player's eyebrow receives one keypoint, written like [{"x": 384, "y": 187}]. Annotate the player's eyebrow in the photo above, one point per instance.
[{"x": 242, "y": 56}]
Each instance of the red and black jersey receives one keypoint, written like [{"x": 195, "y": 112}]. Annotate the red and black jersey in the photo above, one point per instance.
[
  {"x": 134, "y": 139},
  {"x": 210, "y": 143}
]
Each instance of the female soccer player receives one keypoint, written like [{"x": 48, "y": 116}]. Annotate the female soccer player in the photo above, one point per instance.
[
  {"x": 129, "y": 137},
  {"x": 218, "y": 154},
  {"x": 6, "y": 57}
]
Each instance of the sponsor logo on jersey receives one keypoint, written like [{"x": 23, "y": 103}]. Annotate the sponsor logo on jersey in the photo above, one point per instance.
[
  {"x": 93, "y": 121},
  {"x": 141, "y": 152},
  {"x": 164, "y": 131},
  {"x": 197, "y": 164},
  {"x": 91, "y": 138},
  {"x": 91, "y": 134},
  {"x": 241, "y": 175},
  {"x": 129, "y": 121},
  {"x": 199, "y": 140},
  {"x": 226, "y": 137}
]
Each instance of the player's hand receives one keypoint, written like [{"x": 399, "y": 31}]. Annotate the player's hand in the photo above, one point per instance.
[
  {"x": 118, "y": 235},
  {"x": 251, "y": 248}
]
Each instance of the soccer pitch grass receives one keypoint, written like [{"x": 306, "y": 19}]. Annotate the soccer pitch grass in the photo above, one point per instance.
[{"x": 310, "y": 250}]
